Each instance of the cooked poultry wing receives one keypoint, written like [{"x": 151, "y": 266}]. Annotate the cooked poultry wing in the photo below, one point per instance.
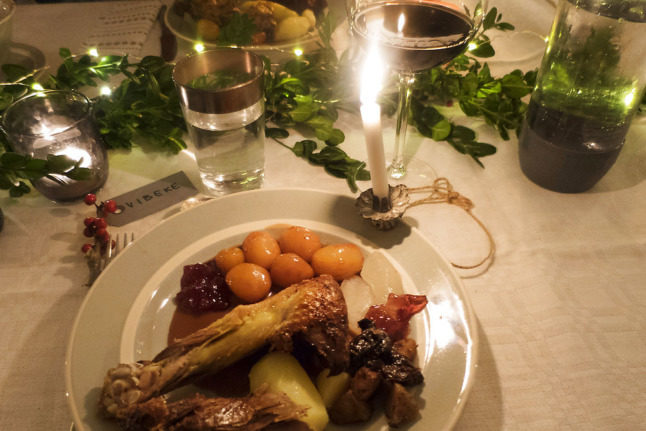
[{"x": 314, "y": 308}]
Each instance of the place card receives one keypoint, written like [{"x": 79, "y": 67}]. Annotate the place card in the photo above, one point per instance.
[{"x": 151, "y": 198}]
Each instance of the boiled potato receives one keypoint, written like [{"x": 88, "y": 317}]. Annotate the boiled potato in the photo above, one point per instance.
[
  {"x": 299, "y": 240},
  {"x": 341, "y": 261},
  {"x": 249, "y": 282},
  {"x": 260, "y": 248},
  {"x": 282, "y": 373},
  {"x": 228, "y": 258},
  {"x": 307, "y": 13},
  {"x": 207, "y": 30},
  {"x": 332, "y": 387},
  {"x": 290, "y": 268},
  {"x": 291, "y": 28},
  {"x": 279, "y": 11}
]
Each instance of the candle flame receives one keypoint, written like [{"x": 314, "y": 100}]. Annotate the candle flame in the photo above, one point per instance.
[{"x": 371, "y": 76}]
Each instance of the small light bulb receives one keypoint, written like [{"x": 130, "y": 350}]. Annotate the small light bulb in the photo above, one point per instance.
[
  {"x": 472, "y": 46},
  {"x": 106, "y": 91},
  {"x": 93, "y": 52},
  {"x": 198, "y": 47},
  {"x": 298, "y": 52},
  {"x": 630, "y": 97},
  {"x": 36, "y": 86}
]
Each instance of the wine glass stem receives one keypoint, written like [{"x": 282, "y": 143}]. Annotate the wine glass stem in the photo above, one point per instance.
[{"x": 397, "y": 167}]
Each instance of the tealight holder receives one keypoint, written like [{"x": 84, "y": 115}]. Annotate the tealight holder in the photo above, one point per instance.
[
  {"x": 384, "y": 213},
  {"x": 58, "y": 122}
]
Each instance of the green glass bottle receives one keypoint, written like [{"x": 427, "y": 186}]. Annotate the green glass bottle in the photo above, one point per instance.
[{"x": 589, "y": 86}]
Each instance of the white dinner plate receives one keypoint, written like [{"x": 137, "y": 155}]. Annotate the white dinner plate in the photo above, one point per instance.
[{"x": 126, "y": 314}]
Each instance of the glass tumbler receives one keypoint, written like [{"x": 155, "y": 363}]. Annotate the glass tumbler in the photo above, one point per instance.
[
  {"x": 589, "y": 86},
  {"x": 58, "y": 122},
  {"x": 222, "y": 98}
]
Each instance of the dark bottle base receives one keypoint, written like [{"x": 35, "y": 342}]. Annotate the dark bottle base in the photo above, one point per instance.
[{"x": 565, "y": 153}]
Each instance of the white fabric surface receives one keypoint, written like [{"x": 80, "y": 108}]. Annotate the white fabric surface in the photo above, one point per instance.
[
  {"x": 562, "y": 310},
  {"x": 124, "y": 27}
]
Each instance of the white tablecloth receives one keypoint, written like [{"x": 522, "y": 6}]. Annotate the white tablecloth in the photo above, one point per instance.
[{"x": 562, "y": 310}]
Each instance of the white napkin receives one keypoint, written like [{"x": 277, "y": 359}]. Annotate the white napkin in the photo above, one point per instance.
[{"x": 124, "y": 29}]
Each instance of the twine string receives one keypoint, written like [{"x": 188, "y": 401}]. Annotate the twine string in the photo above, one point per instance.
[{"x": 441, "y": 191}]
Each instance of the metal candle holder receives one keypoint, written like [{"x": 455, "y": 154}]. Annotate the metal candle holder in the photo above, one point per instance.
[{"x": 384, "y": 213}]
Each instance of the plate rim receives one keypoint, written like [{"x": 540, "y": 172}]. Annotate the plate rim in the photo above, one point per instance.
[{"x": 458, "y": 287}]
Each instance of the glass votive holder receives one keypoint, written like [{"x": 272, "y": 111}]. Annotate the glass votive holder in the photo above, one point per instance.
[
  {"x": 222, "y": 99},
  {"x": 58, "y": 122}
]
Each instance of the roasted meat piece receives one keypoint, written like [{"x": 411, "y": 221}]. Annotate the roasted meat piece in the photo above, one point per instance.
[
  {"x": 401, "y": 406},
  {"x": 251, "y": 413},
  {"x": 263, "y": 18},
  {"x": 349, "y": 409},
  {"x": 365, "y": 382},
  {"x": 313, "y": 309},
  {"x": 406, "y": 347}
]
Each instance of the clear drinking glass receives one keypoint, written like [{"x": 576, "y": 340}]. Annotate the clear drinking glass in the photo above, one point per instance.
[
  {"x": 414, "y": 35},
  {"x": 221, "y": 93}
]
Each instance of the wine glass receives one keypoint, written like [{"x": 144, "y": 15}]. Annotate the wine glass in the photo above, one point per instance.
[{"x": 414, "y": 35}]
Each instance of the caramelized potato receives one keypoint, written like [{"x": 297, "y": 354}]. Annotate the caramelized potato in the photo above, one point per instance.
[
  {"x": 290, "y": 268},
  {"x": 228, "y": 258},
  {"x": 249, "y": 282},
  {"x": 341, "y": 261},
  {"x": 260, "y": 248},
  {"x": 299, "y": 240}
]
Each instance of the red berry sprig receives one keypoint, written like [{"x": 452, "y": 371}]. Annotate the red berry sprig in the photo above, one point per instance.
[{"x": 96, "y": 227}]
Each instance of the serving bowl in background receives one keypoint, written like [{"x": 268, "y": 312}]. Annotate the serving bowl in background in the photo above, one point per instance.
[{"x": 187, "y": 36}]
